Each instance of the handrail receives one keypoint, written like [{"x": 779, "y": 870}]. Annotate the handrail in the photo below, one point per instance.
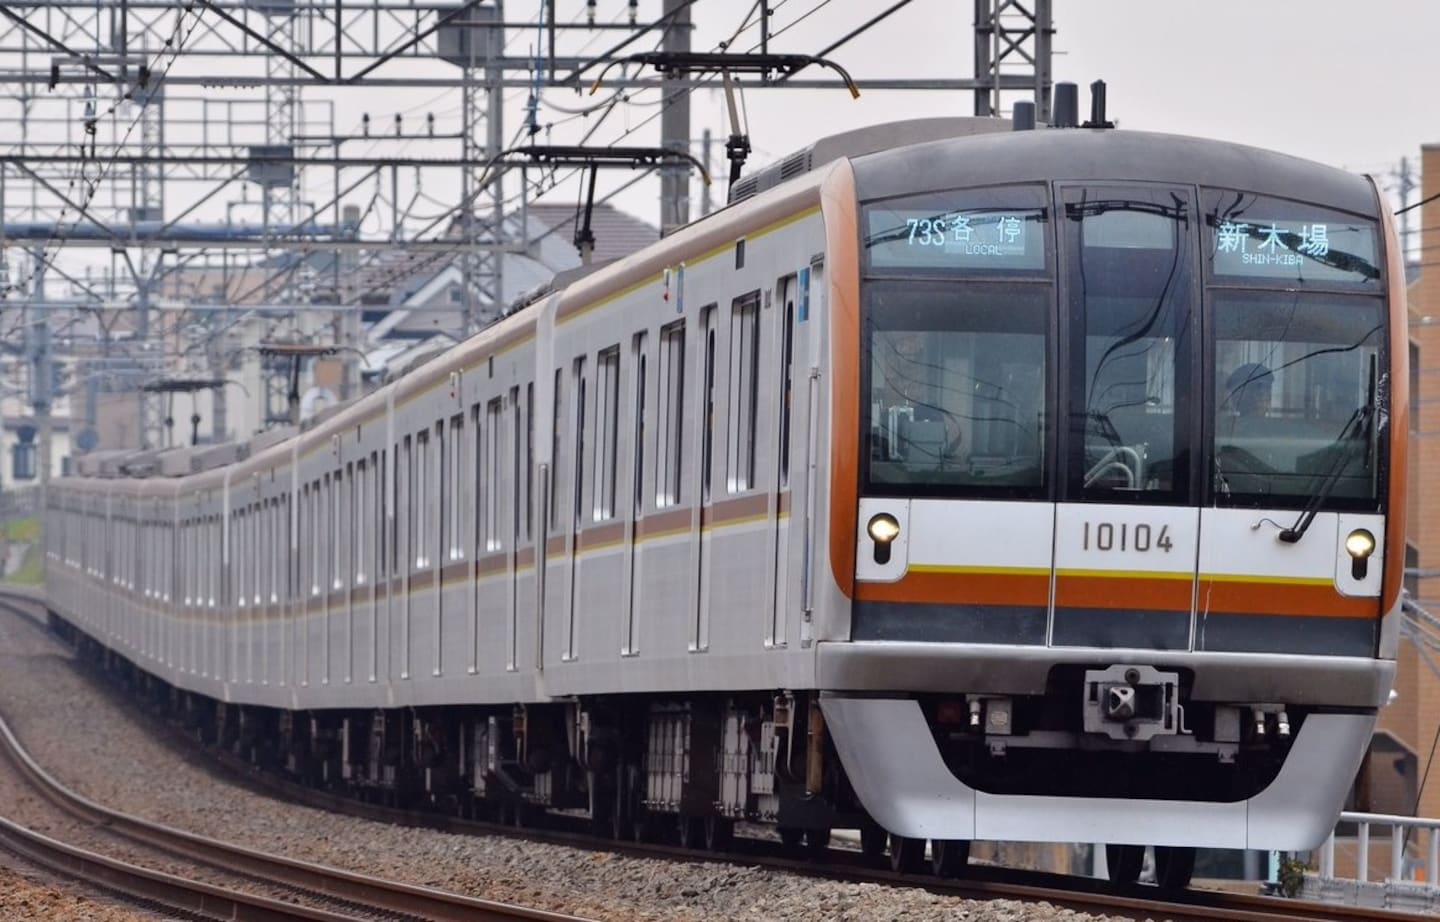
[{"x": 1112, "y": 459}]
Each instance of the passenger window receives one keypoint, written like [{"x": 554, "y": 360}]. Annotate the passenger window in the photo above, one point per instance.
[
  {"x": 670, "y": 432},
  {"x": 491, "y": 477},
  {"x": 744, "y": 390},
  {"x": 638, "y": 455},
  {"x": 455, "y": 540},
  {"x": 516, "y": 436},
  {"x": 579, "y": 442},
  {"x": 555, "y": 449},
  {"x": 529, "y": 458},
  {"x": 607, "y": 435},
  {"x": 707, "y": 402}
]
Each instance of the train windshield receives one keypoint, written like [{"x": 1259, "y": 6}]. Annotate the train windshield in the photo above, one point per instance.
[
  {"x": 957, "y": 388},
  {"x": 1299, "y": 333},
  {"x": 1297, "y": 376},
  {"x": 1200, "y": 346},
  {"x": 957, "y": 309}
]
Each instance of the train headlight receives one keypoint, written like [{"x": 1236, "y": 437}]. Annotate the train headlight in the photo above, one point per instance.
[
  {"x": 1360, "y": 544},
  {"x": 883, "y": 528}
]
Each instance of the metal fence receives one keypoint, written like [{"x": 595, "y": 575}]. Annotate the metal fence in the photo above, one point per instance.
[
  {"x": 1399, "y": 828},
  {"x": 19, "y": 503}
]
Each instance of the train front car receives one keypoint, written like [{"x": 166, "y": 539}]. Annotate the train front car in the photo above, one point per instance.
[{"x": 1127, "y": 459}]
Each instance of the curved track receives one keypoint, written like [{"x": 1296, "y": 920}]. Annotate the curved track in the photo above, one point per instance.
[
  {"x": 982, "y": 882},
  {"x": 231, "y": 874}
]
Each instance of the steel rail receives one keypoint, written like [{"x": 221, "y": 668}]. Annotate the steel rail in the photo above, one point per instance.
[
  {"x": 987, "y": 883},
  {"x": 366, "y": 893},
  {"x": 146, "y": 885}
]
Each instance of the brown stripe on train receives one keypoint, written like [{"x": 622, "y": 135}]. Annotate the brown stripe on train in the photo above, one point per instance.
[
  {"x": 600, "y": 535},
  {"x": 671, "y": 520},
  {"x": 491, "y": 564},
  {"x": 734, "y": 510}
]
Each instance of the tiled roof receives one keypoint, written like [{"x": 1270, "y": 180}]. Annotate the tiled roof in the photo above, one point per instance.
[{"x": 617, "y": 234}]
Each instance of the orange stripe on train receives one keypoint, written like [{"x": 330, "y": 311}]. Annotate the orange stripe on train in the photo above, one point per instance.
[
  {"x": 1232, "y": 596},
  {"x": 972, "y": 588}
]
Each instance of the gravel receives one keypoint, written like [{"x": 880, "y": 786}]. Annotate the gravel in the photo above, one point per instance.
[
  {"x": 97, "y": 748},
  {"x": 28, "y": 897}
]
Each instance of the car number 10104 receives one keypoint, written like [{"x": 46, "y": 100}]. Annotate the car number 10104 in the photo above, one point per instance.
[{"x": 1108, "y": 536}]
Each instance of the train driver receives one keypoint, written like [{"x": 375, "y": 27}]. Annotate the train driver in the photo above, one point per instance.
[{"x": 1247, "y": 390}]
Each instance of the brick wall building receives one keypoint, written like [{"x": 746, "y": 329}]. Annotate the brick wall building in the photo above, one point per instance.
[{"x": 1394, "y": 773}]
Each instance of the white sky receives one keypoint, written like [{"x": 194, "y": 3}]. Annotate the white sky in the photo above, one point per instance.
[{"x": 1337, "y": 81}]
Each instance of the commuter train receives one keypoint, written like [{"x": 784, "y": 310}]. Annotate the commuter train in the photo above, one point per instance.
[{"x": 953, "y": 483}]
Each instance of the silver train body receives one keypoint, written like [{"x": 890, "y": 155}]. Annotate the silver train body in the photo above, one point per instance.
[{"x": 901, "y": 491}]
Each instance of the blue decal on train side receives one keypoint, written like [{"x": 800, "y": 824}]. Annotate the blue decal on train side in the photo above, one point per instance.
[{"x": 803, "y": 312}]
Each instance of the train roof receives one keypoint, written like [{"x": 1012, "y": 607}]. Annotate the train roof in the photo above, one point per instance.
[
  {"x": 892, "y": 159},
  {"x": 859, "y": 142},
  {"x": 1081, "y": 154}
]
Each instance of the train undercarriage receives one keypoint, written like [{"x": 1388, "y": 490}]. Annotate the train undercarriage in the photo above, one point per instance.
[{"x": 689, "y": 769}]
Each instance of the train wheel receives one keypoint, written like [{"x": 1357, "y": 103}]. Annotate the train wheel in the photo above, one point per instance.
[
  {"x": 641, "y": 826},
  {"x": 719, "y": 833},
  {"x": 907, "y": 856},
  {"x": 1124, "y": 862},
  {"x": 948, "y": 857},
  {"x": 1174, "y": 866},
  {"x": 872, "y": 841},
  {"x": 791, "y": 836},
  {"x": 619, "y": 822},
  {"x": 690, "y": 831},
  {"x": 817, "y": 843}
]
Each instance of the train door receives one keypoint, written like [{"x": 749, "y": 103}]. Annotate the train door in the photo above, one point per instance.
[
  {"x": 329, "y": 571},
  {"x": 1126, "y": 528},
  {"x": 434, "y": 538},
  {"x": 577, "y": 504},
  {"x": 511, "y": 476},
  {"x": 348, "y": 538},
  {"x": 805, "y": 435},
  {"x": 406, "y": 511},
  {"x": 706, "y": 420},
  {"x": 780, "y": 524},
  {"x": 630, "y": 603}
]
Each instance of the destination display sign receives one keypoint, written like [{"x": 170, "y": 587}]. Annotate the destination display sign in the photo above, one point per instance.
[
  {"x": 1337, "y": 250},
  {"x": 983, "y": 240}
]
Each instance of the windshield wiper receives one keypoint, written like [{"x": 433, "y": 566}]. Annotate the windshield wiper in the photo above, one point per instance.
[{"x": 1354, "y": 429}]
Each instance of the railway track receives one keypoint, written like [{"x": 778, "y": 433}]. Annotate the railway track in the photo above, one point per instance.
[
  {"x": 207, "y": 878},
  {"x": 983, "y": 883}
]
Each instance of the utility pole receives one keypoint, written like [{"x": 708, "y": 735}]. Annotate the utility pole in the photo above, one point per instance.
[
  {"x": 41, "y": 375},
  {"x": 1012, "y": 32},
  {"x": 675, "y": 123},
  {"x": 706, "y": 205}
]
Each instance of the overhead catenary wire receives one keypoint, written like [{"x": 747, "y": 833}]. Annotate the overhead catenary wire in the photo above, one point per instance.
[{"x": 174, "y": 46}]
